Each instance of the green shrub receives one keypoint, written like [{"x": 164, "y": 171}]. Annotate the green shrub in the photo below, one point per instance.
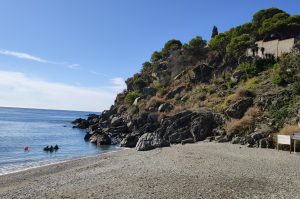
[
  {"x": 296, "y": 88},
  {"x": 139, "y": 83},
  {"x": 251, "y": 83},
  {"x": 146, "y": 67},
  {"x": 231, "y": 84},
  {"x": 278, "y": 80},
  {"x": 248, "y": 68},
  {"x": 279, "y": 114},
  {"x": 156, "y": 56},
  {"x": 224, "y": 86},
  {"x": 281, "y": 111},
  {"x": 131, "y": 96}
]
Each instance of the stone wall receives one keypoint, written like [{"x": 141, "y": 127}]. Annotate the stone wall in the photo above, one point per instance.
[{"x": 275, "y": 47}]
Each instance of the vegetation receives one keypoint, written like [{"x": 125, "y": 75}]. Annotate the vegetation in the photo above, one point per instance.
[
  {"x": 131, "y": 96},
  {"x": 215, "y": 32},
  {"x": 262, "y": 78}
]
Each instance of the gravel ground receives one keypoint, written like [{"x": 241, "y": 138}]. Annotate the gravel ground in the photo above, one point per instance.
[{"x": 202, "y": 170}]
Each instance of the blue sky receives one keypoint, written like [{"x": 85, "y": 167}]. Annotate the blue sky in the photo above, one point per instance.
[{"x": 76, "y": 54}]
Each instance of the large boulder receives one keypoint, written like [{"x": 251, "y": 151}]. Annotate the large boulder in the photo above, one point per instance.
[
  {"x": 237, "y": 75},
  {"x": 129, "y": 141},
  {"x": 81, "y": 123},
  {"x": 103, "y": 139},
  {"x": 148, "y": 91},
  {"x": 200, "y": 73},
  {"x": 165, "y": 107},
  {"x": 180, "y": 134},
  {"x": 178, "y": 127},
  {"x": 238, "y": 109},
  {"x": 117, "y": 121},
  {"x": 174, "y": 92},
  {"x": 203, "y": 124},
  {"x": 150, "y": 141}
]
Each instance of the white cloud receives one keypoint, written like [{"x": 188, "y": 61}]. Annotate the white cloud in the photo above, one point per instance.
[
  {"x": 19, "y": 90},
  {"x": 21, "y": 55},
  {"x": 119, "y": 83},
  {"x": 98, "y": 74},
  {"x": 73, "y": 66}
]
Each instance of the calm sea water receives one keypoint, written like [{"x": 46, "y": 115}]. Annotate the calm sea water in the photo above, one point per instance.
[{"x": 37, "y": 128}]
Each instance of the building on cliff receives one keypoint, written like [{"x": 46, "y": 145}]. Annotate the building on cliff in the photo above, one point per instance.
[{"x": 275, "y": 47}]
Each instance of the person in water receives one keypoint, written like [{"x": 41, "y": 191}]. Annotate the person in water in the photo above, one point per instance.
[
  {"x": 46, "y": 148},
  {"x": 56, "y": 147},
  {"x": 51, "y": 148}
]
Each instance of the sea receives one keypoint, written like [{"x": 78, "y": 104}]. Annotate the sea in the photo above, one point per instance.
[{"x": 37, "y": 128}]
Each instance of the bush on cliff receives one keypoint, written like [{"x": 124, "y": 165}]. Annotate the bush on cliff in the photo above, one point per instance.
[{"x": 131, "y": 96}]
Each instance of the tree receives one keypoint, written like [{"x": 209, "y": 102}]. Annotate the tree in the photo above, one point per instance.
[
  {"x": 219, "y": 42},
  {"x": 239, "y": 45},
  {"x": 214, "y": 32},
  {"x": 262, "y": 15},
  {"x": 146, "y": 67},
  {"x": 195, "y": 47},
  {"x": 281, "y": 26},
  {"x": 171, "y": 46},
  {"x": 156, "y": 56}
]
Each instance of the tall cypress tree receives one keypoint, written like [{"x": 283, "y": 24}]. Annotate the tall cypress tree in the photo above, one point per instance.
[{"x": 214, "y": 32}]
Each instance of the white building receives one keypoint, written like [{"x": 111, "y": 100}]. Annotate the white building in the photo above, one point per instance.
[{"x": 274, "y": 47}]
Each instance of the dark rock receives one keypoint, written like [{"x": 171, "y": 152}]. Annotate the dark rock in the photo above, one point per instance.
[
  {"x": 266, "y": 143},
  {"x": 117, "y": 121},
  {"x": 263, "y": 143},
  {"x": 238, "y": 109},
  {"x": 223, "y": 139},
  {"x": 81, "y": 123},
  {"x": 203, "y": 124},
  {"x": 200, "y": 73},
  {"x": 186, "y": 141},
  {"x": 256, "y": 136},
  {"x": 114, "y": 131},
  {"x": 103, "y": 139},
  {"x": 129, "y": 141},
  {"x": 166, "y": 107},
  {"x": 87, "y": 136},
  {"x": 150, "y": 141},
  {"x": 180, "y": 75},
  {"x": 237, "y": 75},
  {"x": 148, "y": 91},
  {"x": 93, "y": 138},
  {"x": 172, "y": 93},
  {"x": 236, "y": 140},
  {"x": 178, "y": 127},
  {"x": 184, "y": 98},
  {"x": 179, "y": 135}
]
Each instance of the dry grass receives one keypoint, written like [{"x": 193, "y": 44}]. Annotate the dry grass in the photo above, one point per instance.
[
  {"x": 240, "y": 127},
  {"x": 154, "y": 102},
  {"x": 244, "y": 125},
  {"x": 289, "y": 130},
  {"x": 177, "y": 109},
  {"x": 242, "y": 93}
]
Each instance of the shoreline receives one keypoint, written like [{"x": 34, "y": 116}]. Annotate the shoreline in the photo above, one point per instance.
[
  {"x": 200, "y": 170},
  {"x": 61, "y": 161}
]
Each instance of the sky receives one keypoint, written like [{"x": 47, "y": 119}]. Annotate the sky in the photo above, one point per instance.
[{"x": 76, "y": 54}]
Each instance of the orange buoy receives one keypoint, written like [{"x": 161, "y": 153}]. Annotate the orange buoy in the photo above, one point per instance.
[{"x": 26, "y": 148}]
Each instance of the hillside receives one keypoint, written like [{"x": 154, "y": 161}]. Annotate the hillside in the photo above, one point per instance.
[{"x": 209, "y": 91}]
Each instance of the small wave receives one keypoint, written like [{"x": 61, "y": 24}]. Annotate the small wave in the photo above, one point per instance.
[{"x": 8, "y": 169}]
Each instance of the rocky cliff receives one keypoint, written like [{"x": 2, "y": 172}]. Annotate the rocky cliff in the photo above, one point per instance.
[{"x": 204, "y": 91}]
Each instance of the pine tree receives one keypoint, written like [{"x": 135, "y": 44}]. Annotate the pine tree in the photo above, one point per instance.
[{"x": 214, "y": 32}]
